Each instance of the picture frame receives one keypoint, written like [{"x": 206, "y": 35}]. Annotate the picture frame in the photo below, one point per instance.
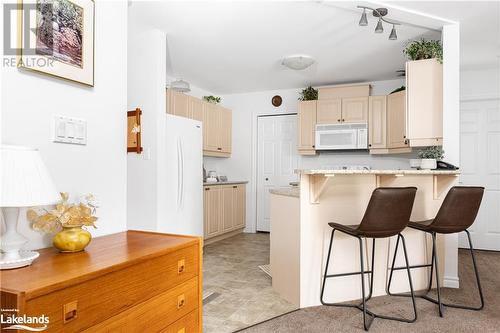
[
  {"x": 56, "y": 38},
  {"x": 134, "y": 131}
]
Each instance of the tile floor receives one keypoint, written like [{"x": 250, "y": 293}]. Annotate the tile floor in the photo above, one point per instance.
[{"x": 242, "y": 293}]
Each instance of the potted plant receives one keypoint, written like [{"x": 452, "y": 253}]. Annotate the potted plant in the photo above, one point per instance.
[
  {"x": 430, "y": 156},
  {"x": 212, "y": 99},
  {"x": 308, "y": 94},
  {"x": 68, "y": 221},
  {"x": 424, "y": 49}
]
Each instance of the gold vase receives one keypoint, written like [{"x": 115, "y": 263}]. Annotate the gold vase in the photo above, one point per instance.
[{"x": 72, "y": 239}]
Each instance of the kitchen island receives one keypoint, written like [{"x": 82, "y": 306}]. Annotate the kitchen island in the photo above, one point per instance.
[{"x": 300, "y": 233}]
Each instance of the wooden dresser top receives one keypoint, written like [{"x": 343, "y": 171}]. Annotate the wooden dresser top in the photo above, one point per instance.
[{"x": 54, "y": 270}]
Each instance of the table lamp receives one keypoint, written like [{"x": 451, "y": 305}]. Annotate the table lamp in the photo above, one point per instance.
[{"x": 24, "y": 182}]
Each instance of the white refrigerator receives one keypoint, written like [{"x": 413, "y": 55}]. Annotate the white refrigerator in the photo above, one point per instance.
[{"x": 181, "y": 181}]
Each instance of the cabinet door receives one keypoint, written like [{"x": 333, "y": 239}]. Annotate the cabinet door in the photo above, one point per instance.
[
  {"x": 212, "y": 204},
  {"x": 225, "y": 132},
  {"x": 239, "y": 210},
  {"x": 195, "y": 108},
  {"x": 396, "y": 120},
  {"x": 355, "y": 110},
  {"x": 424, "y": 88},
  {"x": 306, "y": 127},
  {"x": 177, "y": 103},
  {"x": 377, "y": 120},
  {"x": 210, "y": 125},
  {"x": 329, "y": 111},
  {"x": 227, "y": 209}
]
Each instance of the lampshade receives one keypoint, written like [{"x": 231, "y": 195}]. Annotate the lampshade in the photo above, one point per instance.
[
  {"x": 180, "y": 85},
  {"x": 379, "y": 28},
  {"x": 298, "y": 62},
  {"x": 24, "y": 179},
  {"x": 363, "y": 21}
]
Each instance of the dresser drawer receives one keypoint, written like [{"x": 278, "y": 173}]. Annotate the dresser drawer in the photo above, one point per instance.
[
  {"x": 187, "y": 324},
  {"x": 81, "y": 306},
  {"x": 173, "y": 308}
]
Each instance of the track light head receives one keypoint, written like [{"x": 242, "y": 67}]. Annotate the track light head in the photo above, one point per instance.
[
  {"x": 393, "y": 35},
  {"x": 363, "y": 22},
  {"x": 379, "y": 28}
]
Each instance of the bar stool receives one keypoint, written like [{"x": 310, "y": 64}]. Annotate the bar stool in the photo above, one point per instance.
[
  {"x": 457, "y": 213},
  {"x": 387, "y": 214}
]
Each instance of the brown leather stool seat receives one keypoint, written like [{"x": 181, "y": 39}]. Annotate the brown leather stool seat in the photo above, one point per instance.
[
  {"x": 387, "y": 214},
  {"x": 457, "y": 213}
]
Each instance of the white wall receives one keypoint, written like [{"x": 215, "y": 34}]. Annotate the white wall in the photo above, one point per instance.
[
  {"x": 30, "y": 100},
  {"x": 242, "y": 163}
]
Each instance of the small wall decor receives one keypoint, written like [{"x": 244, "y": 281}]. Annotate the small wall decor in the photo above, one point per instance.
[
  {"x": 308, "y": 94},
  {"x": 134, "y": 131},
  {"x": 276, "y": 100},
  {"x": 58, "y": 39}
]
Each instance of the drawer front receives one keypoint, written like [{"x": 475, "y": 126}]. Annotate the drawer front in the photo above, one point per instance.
[
  {"x": 82, "y": 306},
  {"x": 157, "y": 313},
  {"x": 187, "y": 324}
]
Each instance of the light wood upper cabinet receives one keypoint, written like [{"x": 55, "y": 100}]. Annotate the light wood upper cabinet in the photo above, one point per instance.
[
  {"x": 177, "y": 103},
  {"x": 329, "y": 111},
  {"x": 195, "y": 108},
  {"x": 424, "y": 87},
  {"x": 355, "y": 110},
  {"x": 212, "y": 213},
  {"x": 343, "y": 91},
  {"x": 225, "y": 130},
  {"x": 377, "y": 122},
  {"x": 224, "y": 209},
  {"x": 396, "y": 120},
  {"x": 217, "y": 131},
  {"x": 306, "y": 126},
  {"x": 210, "y": 128}
]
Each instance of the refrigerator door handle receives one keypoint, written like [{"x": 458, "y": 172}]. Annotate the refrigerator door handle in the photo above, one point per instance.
[
  {"x": 182, "y": 174},
  {"x": 178, "y": 173}
]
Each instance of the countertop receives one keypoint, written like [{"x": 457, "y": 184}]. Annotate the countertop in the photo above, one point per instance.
[
  {"x": 376, "y": 172},
  {"x": 292, "y": 191},
  {"x": 229, "y": 182}
]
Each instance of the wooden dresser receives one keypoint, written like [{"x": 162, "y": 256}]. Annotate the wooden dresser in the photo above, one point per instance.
[{"x": 132, "y": 281}]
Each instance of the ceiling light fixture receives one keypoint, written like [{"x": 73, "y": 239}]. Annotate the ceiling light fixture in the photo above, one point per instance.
[
  {"x": 298, "y": 62},
  {"x": 180, "y": 85},
  {"x": 363, "y": 21},
  {"x": 380, "y": 13}
]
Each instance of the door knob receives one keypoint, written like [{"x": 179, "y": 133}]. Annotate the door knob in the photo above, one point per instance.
[{"x": 267, "y": 179}]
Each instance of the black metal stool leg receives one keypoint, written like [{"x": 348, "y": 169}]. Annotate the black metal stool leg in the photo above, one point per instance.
[
  {"x": 326, "y": 268},
  {"x": 409, "y": 279},
  {"x": 365, "y": 324},
  {"x": 392, "y": 269}
]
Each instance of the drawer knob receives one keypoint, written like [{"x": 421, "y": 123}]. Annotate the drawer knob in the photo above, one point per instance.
[
  {"x": 70, "y": 311},
  {"x": 181, "y": 265},
  {"x": 181, "y": 300}
]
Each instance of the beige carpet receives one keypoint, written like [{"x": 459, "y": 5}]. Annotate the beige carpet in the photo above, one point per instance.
[{"x": 334, "y": 319}]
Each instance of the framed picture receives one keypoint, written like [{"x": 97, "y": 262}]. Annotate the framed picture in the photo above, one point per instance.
[
  {"x": 134, "y": 131},
  {"x": 56, "y": 37}
]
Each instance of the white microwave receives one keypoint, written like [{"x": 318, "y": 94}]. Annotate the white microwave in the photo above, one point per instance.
[{"x": 342, "y": 136}]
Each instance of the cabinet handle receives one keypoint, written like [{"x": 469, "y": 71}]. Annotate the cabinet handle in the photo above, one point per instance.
[
  {"x": 404, "y": 136},
  {"x": 369, "y": 145},
  {"x": 235, "y": 186},
  {"x": 70, "y": 311},
  {"x": 406, "y": 142},
  {"x": 343, "y": 120},
  {"x": 181, "y": 265},
  {"x": 219, "y": 148},
  {"x": 338, "y": 120},
  {"x": 314, "y": 146},
  {"x": 207, "y": 188},
  {"x": 181, "y": 300},
  {"x": 267, "y": 179}
]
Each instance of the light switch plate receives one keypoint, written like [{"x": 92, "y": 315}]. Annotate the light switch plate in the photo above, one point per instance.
[{"x": 70, "y": 130}]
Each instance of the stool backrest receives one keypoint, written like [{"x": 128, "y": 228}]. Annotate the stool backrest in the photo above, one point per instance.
[
  {"x": 388, "y": 211},
  {"x": 458, "y": 210}
]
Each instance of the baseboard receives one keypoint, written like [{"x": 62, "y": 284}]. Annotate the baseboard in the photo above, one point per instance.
[
  {"x": 223, "y": 236},
  {"x": 451, "y": 282}
]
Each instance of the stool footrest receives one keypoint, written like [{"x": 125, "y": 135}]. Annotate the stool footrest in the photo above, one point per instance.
[
  {"x": 410, "y": 267},
  {"x": 346, "y": 274}
]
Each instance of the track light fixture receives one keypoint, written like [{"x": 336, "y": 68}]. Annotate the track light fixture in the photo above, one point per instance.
[{"x": 380, "y": 13}]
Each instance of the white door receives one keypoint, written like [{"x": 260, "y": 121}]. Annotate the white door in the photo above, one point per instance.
[
  {"x": 277, "y": 160},
  {"x": 480, "y": 165}
]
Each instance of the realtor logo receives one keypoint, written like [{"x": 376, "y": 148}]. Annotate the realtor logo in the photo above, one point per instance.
[{"x": 24, "y": 322}]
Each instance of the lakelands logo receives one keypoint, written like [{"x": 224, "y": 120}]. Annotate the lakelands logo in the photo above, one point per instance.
[{"x": 25, "y": 322}]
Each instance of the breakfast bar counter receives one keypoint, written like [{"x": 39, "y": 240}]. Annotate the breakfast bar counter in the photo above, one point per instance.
[{"x": 300, "y": 233}]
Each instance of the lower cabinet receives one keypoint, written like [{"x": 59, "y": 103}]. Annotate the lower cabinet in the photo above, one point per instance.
[{"x": 224, "y": 209}]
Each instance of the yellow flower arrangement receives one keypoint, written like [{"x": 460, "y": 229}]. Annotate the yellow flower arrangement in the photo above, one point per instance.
[{"x": 65, "y": 215}]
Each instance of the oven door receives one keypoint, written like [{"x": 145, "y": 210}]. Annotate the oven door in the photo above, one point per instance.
[{"x": 336, "y": 139}]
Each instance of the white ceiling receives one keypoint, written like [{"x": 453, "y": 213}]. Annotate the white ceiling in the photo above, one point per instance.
[{"x": 231, "y": 47}]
